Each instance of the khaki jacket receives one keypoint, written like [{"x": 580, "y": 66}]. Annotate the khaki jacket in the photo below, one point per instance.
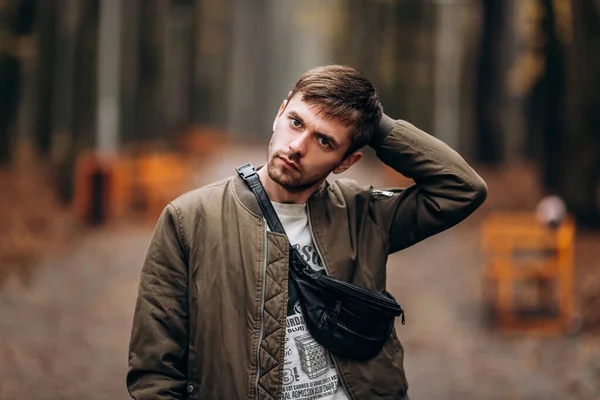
[{"x": 210, "y": 315}]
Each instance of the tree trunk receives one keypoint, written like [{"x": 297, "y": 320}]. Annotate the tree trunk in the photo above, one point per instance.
[
  {"x": 579, "y": 183},
  {"x": 108, "y": 77},
  {"x": 74, "y": 88},
  {"x": 489, "y": 80},
  {"x": 10, "y": 84},
  {"x": 546, "y": 113},
  {"x": 86, "y": 50},
  {"x": 10, "y": 78},
  {"x": 149, "y": 113},
  {"x": 213, "y": 49},
  {"x": 45, "y": 70}
]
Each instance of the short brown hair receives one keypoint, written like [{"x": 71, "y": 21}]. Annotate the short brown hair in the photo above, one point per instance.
[{"x": 342, "y": 93}]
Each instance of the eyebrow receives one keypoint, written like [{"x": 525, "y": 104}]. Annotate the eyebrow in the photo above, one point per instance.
[{"x": 329, "y": 138}]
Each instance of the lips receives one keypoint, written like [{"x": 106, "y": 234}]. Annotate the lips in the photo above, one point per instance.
[{"x": 289, "y": 164}]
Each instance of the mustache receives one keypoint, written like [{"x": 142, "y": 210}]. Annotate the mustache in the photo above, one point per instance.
[{"x": 293, "y": 157}]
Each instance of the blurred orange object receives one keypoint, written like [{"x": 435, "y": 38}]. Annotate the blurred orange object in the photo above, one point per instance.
[
  {"x": 160, "y": 178},
  {"x": 202, "y": 141},
  {"x": 98, "y": 187},
  {"x": 525, "y": 256},
  {"x": 110, "y": 187}
]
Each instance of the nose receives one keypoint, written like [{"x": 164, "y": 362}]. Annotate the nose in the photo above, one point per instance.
[{"x": 299, "y": 144}]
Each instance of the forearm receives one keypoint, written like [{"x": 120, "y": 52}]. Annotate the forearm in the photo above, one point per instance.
[{"x": 446, "y": 189}]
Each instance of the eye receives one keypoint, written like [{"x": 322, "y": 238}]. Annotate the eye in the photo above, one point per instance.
[
  {"x": 324, "y": 142},
  {"x": 295, "y": 123}
]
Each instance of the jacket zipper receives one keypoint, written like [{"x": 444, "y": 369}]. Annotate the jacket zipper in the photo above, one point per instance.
[
  {"x": 262, "y": 311},
  {"x": 314, "y": 239},
  {"x": 335, "y": 363}
]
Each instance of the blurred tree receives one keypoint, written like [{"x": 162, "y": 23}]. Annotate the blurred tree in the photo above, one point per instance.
[
  {"x": 47, "y": 32},
  {"x": 129, "y": 69},
  {"x": 393, "y": 43},
  {"x": 10, "y": 74},
  {"x": 151, "y": 56},
  {"x": 178, "y": 70},
  {"x": 69, "y": 20},
  {"x": 255, "y": 60},
  {"x": 452, "y": 47},
  {"x": 213, "y": 51},
  {"x": 85, "y": 81},
  {"x": 546, "y": 106},
  {"x": 579, "y": 158},
  {"x": 16, "y": 21},
  {"x": 557, "y": 74},
  {"x": 108, "y": 83},
  {"x": 73, "y": 88},
  {"x": 489, "y": 81}
]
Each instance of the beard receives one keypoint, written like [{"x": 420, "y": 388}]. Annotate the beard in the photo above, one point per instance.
[{"x": 291, "y": 179}]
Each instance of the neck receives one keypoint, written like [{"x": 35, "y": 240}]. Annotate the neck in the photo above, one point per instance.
[{"x": 279, "y": 194}]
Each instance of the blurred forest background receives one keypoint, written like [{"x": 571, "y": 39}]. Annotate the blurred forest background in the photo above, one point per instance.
[
  {"x": 500, "y": 81},
  {"x": 109, "y": 108}
]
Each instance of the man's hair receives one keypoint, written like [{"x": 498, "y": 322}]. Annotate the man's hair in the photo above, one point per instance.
[{"x": 343, "y": 93}]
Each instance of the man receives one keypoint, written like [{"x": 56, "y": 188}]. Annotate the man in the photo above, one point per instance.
[{"x": 213, "y": 319}]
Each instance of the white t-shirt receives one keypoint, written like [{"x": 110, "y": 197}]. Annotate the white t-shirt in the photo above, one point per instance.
[{"x": 308, "y": 371}]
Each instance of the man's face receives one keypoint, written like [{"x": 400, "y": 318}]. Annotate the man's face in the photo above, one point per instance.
[{"x": 306, "y": 147}]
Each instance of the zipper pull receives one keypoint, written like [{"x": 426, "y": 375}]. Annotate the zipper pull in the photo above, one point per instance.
[
  {"x": 379, "y": 192},
  {"x": 336, "y": 313},
  {"x": 338, "y": 307},
  {"x": 403, "y": 319}
]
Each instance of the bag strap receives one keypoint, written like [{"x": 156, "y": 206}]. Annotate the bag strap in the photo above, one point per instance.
[{"x": 248, "y": 173}]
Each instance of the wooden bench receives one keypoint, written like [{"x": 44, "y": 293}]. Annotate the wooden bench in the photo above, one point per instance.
[
  {"x": 158, "y": 179},
  {"x": 528, "y": 273},
  {"x": 106, "y": 188}
]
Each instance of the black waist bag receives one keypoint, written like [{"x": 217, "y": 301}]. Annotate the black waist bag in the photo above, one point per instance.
[{"x": 346, "y": 319}]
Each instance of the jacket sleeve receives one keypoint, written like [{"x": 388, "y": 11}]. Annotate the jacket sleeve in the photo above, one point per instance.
[
  {"x": 159, "y": 339},
  {"x": 446, "y": 189}
]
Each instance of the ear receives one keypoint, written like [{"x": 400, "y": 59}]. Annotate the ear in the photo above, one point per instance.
[
  {"x": 281, "y": 108},
  {"x": 348, "y": 162}
]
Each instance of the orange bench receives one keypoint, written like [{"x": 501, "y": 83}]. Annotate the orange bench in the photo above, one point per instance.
[
  {"x": 109, "y": 187},
  {"x": 160, "y": 178},
  {"x": 98, "y": 187},
  {"x": 528, "y": 273}
]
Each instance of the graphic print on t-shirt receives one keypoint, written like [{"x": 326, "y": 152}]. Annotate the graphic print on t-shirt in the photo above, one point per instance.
[
  {"x": 308, "y": 372},
  {"x": 313, "y": 357}
]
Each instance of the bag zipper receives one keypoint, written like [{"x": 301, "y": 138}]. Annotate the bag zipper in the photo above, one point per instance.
[
  {"x": 335, "y": 362},
  {"x": 367, "y": 296},
  {"x": 262, "y": 311}
]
